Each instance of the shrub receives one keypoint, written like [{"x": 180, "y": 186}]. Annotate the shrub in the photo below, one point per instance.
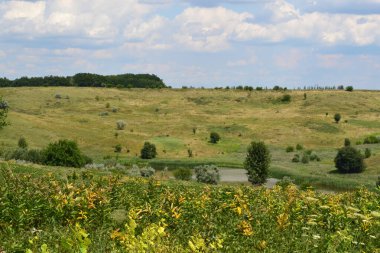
[
  {"x": 286, "y": 98},
  {"x": 314, "y": 157},
  {"x": 304, "y": 96},
  {"x": 147, "y": 171},
  {"x": 118, "y": 148},
  {"x": 257, "y": 162},
  {"x": 208, "y": 174},
  {"x": 120, "y": 125},
  {"x": 103, "y": 114},
  {"x": 285, "y": 182},
  {"x": 3, "y": 113},
  {"x": 214, "y": 137},
  {"x": 349, "y": 160},
  {"x": 148, "y": 151},
  {"x": 299, "y": 147},
  {"x": 337, "y": 117},
  {"x": 367, "y": 153},
  {"x": 63, "y": 153},
  {"x": 347, "y": 142},
  {"x": 305, "y": 158},
  {"x": 378, "y": 182},
  {"x": 22, "y": 143},
  {"x": 182, "y": 174},
  {"x": 189, "y": 153},
  {"x": 371, "y": 140},
  {"x": 108, "y": 105},
  {"x": 349, "y": 88},
  {"x": 296, "y": 158},
  {"x": 58, "y": 96},
  {"x": 290, "y": 149}
]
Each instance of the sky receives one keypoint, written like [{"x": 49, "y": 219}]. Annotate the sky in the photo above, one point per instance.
[{"x": 293, "y": 43}]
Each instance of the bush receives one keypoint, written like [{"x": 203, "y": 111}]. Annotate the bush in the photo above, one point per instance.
[
  {"x": 182, "y": 174},
  {"x": 378, "y": 182},
  {"x": 349, "y": 88},
  {"x": 347, "y": 142},
  {"x": 58, "y": 96},
  {"x": 147, "y": 171},
  {"x": 349, "y": 160},
  {"x": 214, "y": 137},
  {"x": 296, "y": 158},
  {"x": 118, "y": 148},
  {"x": 286, "y": 98},
  {"x": 367, "y": 153},
  {"x": 299, "y": 147},
  {"x": 305, "y": 158},
  {"x": 208, "y": 174},
  {"x": 148, "y": 151},
  {"x": 371, "y": 140},
  {"x": 290, "y": 149},
  {"x": 285, "y": 182},
  {"x": 337, "y": 117},
  {"x": 189, "y": 153},
  {"x": 22, "y": 143},
  {"x": 3, "y": 113},
  {"x": 314, "y": 157},
  {"x": 63, "y": 153},
  {"x": 257, "y": 162},
  {"x": 120, "y": 125}
]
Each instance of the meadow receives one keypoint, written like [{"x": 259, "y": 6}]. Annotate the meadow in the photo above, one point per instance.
[
  {"x": 48, "y": 209},
  {"x": 169, "y": 117}
]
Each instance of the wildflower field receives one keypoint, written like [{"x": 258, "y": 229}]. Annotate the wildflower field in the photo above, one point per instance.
[{"x": 93, "y": 212}]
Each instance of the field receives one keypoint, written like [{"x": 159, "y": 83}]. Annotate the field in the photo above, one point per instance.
[
  {"x": 47, "y": 209},
  {"x": 167, "y": 118}
]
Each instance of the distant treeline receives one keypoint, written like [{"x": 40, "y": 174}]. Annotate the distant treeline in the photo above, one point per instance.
[{"x": 88, "y": 80}]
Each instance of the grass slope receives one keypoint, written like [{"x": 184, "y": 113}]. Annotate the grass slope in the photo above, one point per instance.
[{"x": 167, "y": 118}]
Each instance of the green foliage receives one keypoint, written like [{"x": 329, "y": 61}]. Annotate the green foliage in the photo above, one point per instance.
[
  {"x": 63, "y": 153},
  {"x": 147, "y": 171},
  {"x": 285, "y": 182},
  {"x": 289, "y": 149},
  {"x": 347, "y": 142},
  {"x": 378, "y": 182},
  {"x": 118, "y": 148},
  {"x": 371, "y": 140},
  {"x": 296, "y": 158},
  {"x": 349, "y": 160},
  {"x": 286, "y": 98},
  {"x": 183, "y": 174},
  {"x": 257, "y": 162},
  {"x": 337, "y": 117},
  {"x": 367, "y": 153},
  {"x": 214, "y": 137},
  {"x": 189, "y": 153},
  {"x": 148, "y": 151},
  {"x": 299, "y": 147},
  {"x": 349, "y": 88},
  {"x": 305, "y": 158},
  {"x": 3, "y": 113},
  {"x": 22, "y": 143},
  {"x": 208, "y": 174}
]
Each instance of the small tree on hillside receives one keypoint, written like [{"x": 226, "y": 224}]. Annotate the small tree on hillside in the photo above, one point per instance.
[
  {"x": 63, "y": 153},
  {"x": 214, "y": 137},
  {"x": 22, "y": 143},
  {"x": 347, "y": 142},
  {"x": 148, "y": 151},
  {"x": 257, "y": 162},
  {"x": 337, "y": 117},
  {"x": 3, "y": 112},
  {"x": 349, "y": 160}
]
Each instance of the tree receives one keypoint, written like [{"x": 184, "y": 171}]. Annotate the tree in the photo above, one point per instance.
[
  {"x": 367, "y": 153},
  {"x": 349, "y": 160},
  {"x": 349, "y": 88},
  {"x": 347, "y": 142},
  {"x": 3, "y": 113},
  {"x": 63, "y": 153},
  {"x": 148, "y": 151},
  {"x": 257, "y": 162},
  {"x": 337, "y": 117},
  {"x": 22, "y": 143},
  {"x": 214, "y": 137}
]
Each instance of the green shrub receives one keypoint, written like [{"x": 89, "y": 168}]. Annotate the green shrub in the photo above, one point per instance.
[
  {"x": 257, "y": 162},
  {"x": 314, "y": 157},
  {"x": 299, "y": 147},
  {"x": 367, "y": 153},
  {"x": 147, "y": 171},
  {"x": 290, "y": 149},
  {"x": 286, "y": 98},
  {"x": 349, "y": 88},
  {"x": 305, "y": 158},
  {"x": 349, "y": 160},
  {"x": 337, "y": 117},
  {"x": 148, "y": 151},
  {"x": 189, "y": 153},
  {"x": 214, "y": 137},
  {"x": 182, "y": 174},
  {"x": 63, "y": 153},
  {"x": 347, "y": 142},
  {"x": 285, "y": 182},
  {"x": 22, "y": 143},
  {"x": 34, "y": 156},
  {"x": 4, "y": 107},
  {"x": 378, "y": 182},
  {"x": 118, "y": 148},
  {"x": 208, "y": 174},
  {"x": 296, "y": 158},
  {"x": 371, "y": 140}
]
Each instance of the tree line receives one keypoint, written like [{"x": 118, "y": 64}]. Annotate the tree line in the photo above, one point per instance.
[{"x": 88, "y": 80}]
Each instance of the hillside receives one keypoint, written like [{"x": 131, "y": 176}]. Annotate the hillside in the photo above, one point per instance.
[{"x": 167, "y": 117}]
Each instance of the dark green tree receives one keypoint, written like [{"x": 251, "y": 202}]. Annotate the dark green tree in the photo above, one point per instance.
[
  {"x": 214, "y": 137},
  {"x": 257, "y": 162},
  {"x": 349, "y": 160},
  {"x": 63, "y": 153},
  {"x": 3, "y": 113},
  {"x": 337, "y": 117},
  {"x": 148, "y": 151},
  {"x": 347, "y": 142},
  {"x": 22, "y": 143}
]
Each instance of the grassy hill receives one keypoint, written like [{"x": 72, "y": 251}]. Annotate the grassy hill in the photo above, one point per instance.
[{"x": 167, "y": 118}]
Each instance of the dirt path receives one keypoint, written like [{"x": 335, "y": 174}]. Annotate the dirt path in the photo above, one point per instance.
[{"x": 239, "y": 175}]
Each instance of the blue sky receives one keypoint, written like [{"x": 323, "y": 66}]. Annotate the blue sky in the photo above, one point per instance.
[{"x": 196, "y": 42}]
